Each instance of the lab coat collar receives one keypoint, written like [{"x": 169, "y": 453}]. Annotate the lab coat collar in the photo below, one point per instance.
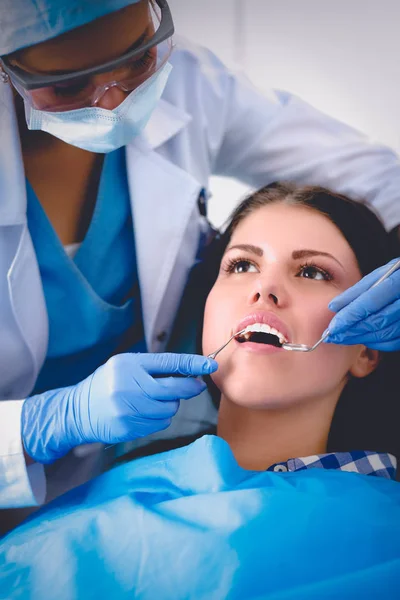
[
  {"x": 166, "y": 121},
  {"x": 24, "y": 344},
  {"x": 163, "y": 198},
  {"x": 12, "y": 177}
]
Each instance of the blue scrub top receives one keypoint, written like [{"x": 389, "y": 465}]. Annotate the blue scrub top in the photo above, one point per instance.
[{"x": 93, "y": 299}]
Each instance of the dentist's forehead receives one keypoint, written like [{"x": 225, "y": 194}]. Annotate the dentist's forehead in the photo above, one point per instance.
[
  {"x": 82, "y": 48},
  {"x": 25, "y": 23}
]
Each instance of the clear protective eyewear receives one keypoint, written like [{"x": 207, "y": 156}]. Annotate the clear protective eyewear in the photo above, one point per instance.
[{"x": 70, "y": 91}]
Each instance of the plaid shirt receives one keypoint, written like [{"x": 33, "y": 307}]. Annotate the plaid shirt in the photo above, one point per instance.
[{"x": 364, "y": 462}]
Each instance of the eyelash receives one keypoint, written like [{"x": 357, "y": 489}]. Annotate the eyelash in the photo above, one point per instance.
[
  {"x": 232, "y": 262},
  {"x": 144, "y": 60},
  {"x": 229, "y": 267},
  {"x": 70, "y": 89},
  {"x": 328, "y": 276}
]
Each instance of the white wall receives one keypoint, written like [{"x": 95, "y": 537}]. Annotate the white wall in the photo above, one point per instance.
[{"x": 342, "y": 56}]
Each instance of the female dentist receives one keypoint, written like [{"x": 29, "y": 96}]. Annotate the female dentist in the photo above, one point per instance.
[{"x": 108, "y": 140}]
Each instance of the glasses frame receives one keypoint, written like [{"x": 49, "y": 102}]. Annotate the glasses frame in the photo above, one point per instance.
[{"x": 34, "y": 81}]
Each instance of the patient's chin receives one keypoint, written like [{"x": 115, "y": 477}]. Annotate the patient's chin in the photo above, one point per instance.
[{"x": 254, "y": 394}]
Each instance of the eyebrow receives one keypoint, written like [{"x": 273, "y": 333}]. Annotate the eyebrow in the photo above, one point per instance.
[
  {"x": 55, "y": 72},
  {"x": 296, "y": 254},
  {"x": 247, "y": 248}
]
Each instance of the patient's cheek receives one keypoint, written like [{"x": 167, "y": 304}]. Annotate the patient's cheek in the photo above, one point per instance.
[
  {"x": 315, "y": 319},
  {"x": 215, "y": 325},
  {"x": 206, "y": 329}
]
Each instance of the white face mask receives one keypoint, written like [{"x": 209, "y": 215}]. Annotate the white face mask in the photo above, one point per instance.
[{"x": 98, "y": 129}]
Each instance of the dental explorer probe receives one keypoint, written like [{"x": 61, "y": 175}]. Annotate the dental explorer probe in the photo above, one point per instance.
[
  {"x": 214, "y": 354},
  {"x": 305, "y": 348}
]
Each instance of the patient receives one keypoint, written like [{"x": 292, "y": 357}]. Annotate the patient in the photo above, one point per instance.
[
  {"x": 263, "y": 509},
  {"x": 287, "y": 253}
]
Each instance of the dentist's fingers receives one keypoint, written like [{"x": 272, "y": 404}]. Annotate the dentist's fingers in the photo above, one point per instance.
[
  {"x": 192, "y": 365},
  {"x": 179, "y": 388},
  {"x": 384, "y": 340},
  {"x": 364, "y": 285},
  {"x": 374, "y": 323},
  {"x": 384, "y": 298}
]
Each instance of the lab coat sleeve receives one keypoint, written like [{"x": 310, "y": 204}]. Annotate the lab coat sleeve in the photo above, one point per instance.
[
  {"x": 263, "y": 137},
  {"x": 19, "y": 485}
]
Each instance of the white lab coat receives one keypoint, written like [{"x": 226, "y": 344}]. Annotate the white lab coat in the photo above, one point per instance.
[{"x": 208, "y": 122}]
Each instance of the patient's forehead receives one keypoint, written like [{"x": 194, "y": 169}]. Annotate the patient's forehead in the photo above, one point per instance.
[{"x": 285, "y": 228}]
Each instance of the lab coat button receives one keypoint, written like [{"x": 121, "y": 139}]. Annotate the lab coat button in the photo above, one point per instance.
[
  {"x": 162, "y": 336},
  {"x": 280, "y": 468}
]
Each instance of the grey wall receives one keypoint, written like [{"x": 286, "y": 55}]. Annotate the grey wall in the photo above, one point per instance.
[{"x": 342, "y": 56}]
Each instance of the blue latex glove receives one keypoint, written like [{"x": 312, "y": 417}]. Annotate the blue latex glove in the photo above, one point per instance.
[
  {"x": 119, "y": 402},
  {"x": 368, "y": 316}
]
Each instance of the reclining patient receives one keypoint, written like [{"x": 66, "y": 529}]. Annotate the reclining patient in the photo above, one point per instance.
[{"x": 269, "y": 507}]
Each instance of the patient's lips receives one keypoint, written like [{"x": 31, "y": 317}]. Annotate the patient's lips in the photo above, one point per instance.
[{"x": 263, "y": 331}]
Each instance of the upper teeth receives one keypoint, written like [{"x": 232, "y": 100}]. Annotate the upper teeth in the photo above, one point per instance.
[{"x": 263, "y": 328}]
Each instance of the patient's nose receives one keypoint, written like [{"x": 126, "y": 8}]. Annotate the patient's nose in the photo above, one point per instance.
[
  {"x": 271, "y": 290},
  {"x": 273, "y": 298}
]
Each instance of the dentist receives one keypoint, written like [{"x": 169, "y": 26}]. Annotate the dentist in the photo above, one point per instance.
[{"x": 108, "y": 137}]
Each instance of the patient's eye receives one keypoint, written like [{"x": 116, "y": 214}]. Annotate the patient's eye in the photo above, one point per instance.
[
  {"x": 311, "y": 271},
  {"x": 240, "y": 265}
]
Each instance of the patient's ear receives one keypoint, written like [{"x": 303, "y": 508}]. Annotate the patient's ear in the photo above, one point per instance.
[{"x": 365, "y": 363}]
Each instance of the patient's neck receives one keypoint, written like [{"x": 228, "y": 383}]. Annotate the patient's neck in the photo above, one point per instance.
[{"x": 261, "y": 438}]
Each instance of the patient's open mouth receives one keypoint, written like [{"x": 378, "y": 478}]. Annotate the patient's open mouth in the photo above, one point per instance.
[{"x": 260, "y": 333}]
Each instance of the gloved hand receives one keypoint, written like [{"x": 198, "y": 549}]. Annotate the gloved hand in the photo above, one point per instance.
[
  {"x": 368, "y": 316},
  {"x": 119, "y": 402}
]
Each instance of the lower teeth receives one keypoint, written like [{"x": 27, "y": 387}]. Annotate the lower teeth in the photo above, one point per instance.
[{"x": 260, "y": 338}]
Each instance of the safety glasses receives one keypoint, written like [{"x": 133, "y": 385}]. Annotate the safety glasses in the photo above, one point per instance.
[{"x": 69, "y": 91}]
